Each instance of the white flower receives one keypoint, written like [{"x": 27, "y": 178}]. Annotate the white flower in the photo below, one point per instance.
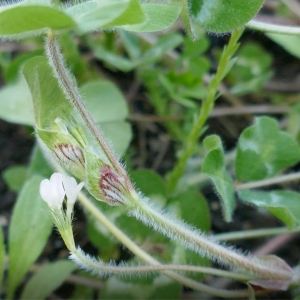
[
  {"x": 71, "y": 188},
  {"x": 52, "y": 191}
]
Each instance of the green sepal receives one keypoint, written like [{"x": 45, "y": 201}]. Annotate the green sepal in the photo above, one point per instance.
[
  {"x": 65, "y": 149},
  {"x": 105, "y": 183},
  {"x": 93, "y": 175}
]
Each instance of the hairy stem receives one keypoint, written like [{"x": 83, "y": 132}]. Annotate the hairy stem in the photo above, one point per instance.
[
  {"x": 206, "y": 108},
  {"x": 88, "y": 263},
  {"x": 202, "y": 244},
  {"x": 135, "y": 249}
]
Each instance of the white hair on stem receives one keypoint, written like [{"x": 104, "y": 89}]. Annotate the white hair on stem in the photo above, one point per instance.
[
  {"x": 98, "y": 267},
  {"x": 198, "y": 242}
]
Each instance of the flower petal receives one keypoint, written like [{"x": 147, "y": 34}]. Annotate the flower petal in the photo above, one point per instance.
[
  {"x": 56, "y": 182},
  {"x": 71, "y": 188},
  {"x": 52, "y": 191},
  {"x": 45, "y": 190}
]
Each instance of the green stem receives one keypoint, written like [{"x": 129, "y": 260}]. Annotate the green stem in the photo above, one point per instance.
[
  {"x": 255, "y": 233},
  {"x": 273, "y": 28},
  {"x": 267, "y": 182},
  {"x": 102, "y": 269},
  {"x": 135, "y": 249},
  {"x": 198, "y": 242},
  {"x": 207, "y": 106}
]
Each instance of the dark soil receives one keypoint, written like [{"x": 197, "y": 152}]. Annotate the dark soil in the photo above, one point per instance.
[{"x": 15, "y": 148}]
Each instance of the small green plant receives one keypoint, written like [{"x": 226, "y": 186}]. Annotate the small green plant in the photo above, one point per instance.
[{"x": 73, "y": 124}]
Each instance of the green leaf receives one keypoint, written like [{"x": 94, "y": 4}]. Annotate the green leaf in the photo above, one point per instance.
[
  {"x": 104, "y": 101},
  {"x": 28, "y": 232},
  {"x": 26, "y": 19},
  {"x": 282, "y": 204},
  {"x": 132, "y": 43},
  {"x": 117, "y": 61},
  {"x": 109, "y": 109},
  {"x": 16, "y": 103},
  {"x": 2, "y": 257},
  {"x": 213, "y": 167},
  {"x": 132, "y": 15},
  {"x": 164, "y": 44},
  {"x": 101, "y": 14},
  {"x": 289, "y": 42},
  {"x": 47, "y": 279},
  {"x": 158, "y": 17},
  {"x": 193, "y": 49},
  {"x": 263, "y": 151},
  {"x": 12, "y": 73},
  {"x": 119, "y": 134},
  {"x": 192, "y": 208},
  {"x": 223, "y": 16},
  {"x": 80, "y": 9},
  {"x": 251, "y": 70},
  {"x": 15, "y": 177},
  {"x": 149, "y": 182}
]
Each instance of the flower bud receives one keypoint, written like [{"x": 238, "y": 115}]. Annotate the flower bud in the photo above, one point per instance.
[
  {"x": 104, "y": 183},
  {"x": 112, "y": 186}
]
